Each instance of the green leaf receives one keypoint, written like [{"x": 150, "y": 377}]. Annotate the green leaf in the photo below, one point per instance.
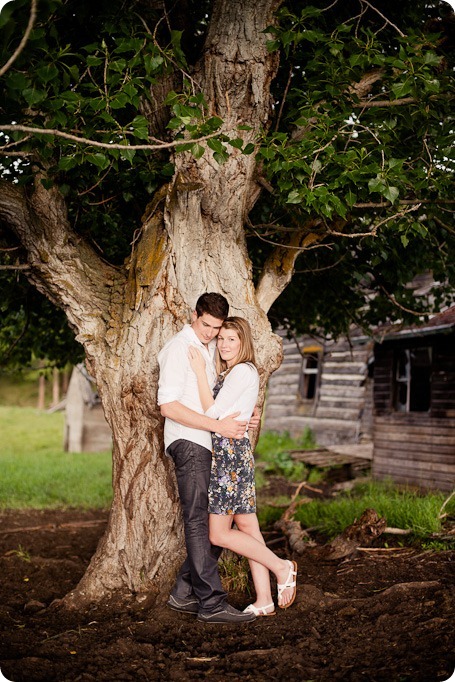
[
  {"x": 128, "y": 154},
  {"x": 213, "y": 123},
  {"x": 67, "y": 162},
  {"x": 17, "y": 81},
  {"x": 220, "y": 158},
  {"x": 249, "y": 148},
  {"x": 237, "y": 143},
  {"x": 176, "y": 38},
  {"x": 153, "y": 62},
  {"x": 419, "y": 228},
  {"x": 216, "y": 146},
  {"x": 140, "y": 127},
  {"x": 174, "y": 124},
  {"x": 404, "y": 240},
  {"x": 350, "y": 198},
  {"x": 118, "y": 65},
  {"x": 47, "y": 72},
  {"x": 395, "y": 163},
  {"x": 171, "y": 98},
  {"x": 185, "y": 147},
  {"x": 99, "y": 160},
  {"x": 432, "y": 59},
  {"x": 294, "y": 197},
  {"x": 272, "y": 45},
  {"x": 402, "y": 89},
  {"x": 391, "y": 193},
  {"x": 168, "y": 170},
  {"x": 376, "y": 185},
  {"x": 34, "y": 96},
  {"x": 93, "y": 61},
  {"x": 197, "y": 150},
  {"x": 119, "y": 101}
]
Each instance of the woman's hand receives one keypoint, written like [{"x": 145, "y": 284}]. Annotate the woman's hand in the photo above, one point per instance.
[{"x": 197, "y": 360}]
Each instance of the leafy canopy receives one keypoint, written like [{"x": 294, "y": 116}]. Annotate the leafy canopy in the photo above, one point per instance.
[{"x": 357, "y": 160}]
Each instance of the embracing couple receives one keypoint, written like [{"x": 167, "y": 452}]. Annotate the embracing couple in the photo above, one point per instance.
[{"x": 208, "y": 389}]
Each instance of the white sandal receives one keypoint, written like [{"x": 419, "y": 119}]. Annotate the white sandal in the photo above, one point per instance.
[
  {"x": 291, "y": 581},
  {"x": 260, "y": 610}
]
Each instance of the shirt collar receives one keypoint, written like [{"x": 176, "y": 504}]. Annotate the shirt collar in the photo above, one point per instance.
[{"x": 191, "y": 335}]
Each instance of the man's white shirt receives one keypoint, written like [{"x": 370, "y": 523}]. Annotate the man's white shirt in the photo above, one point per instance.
[{"x": 178, "y": 382}]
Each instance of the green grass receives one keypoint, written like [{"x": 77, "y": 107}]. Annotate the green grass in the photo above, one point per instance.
[
  {"x": 273, "y": 450},
  {"x": 19, "y": 388},
  {"x": 401, "y": 508},
  {"x": 38, "y": 474}
]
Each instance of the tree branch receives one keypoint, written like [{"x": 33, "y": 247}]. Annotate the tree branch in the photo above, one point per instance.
[
  {"x": 365, "y": 2},
  {"x": 398, "y": 305},
  {"x": 279, "y": 266},
  {"x": 23, "y": 42},
  {"x": 103, "y": 145},
  {"x": 60, "y": 263}
]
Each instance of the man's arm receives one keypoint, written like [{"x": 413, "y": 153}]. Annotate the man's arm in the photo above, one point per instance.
[{"x": 228, "y": 427}]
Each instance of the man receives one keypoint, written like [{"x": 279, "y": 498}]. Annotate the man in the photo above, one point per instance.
[{"x": 188, "y": 440}]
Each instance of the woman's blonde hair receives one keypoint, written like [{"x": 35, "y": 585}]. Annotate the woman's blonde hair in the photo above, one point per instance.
[{"x": 246, "y": 352}]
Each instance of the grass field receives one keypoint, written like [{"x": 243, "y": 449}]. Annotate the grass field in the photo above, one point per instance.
[
  {"x": 37, "y": 474},
  {"x": 35, "y": 471}
]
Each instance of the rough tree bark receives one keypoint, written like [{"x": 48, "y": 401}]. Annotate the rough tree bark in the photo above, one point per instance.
[{"x": 192, "y": 240}]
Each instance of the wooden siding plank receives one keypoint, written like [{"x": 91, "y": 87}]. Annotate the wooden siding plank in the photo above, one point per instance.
[
  {"x": 447, "y": 471},
  {"x": 399, "y": 451},
  {"x": 411, "y": 420},
  {"x": 402, "y": 436}
]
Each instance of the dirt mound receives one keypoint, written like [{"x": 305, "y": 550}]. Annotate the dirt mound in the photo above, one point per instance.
[{"x": 382, "y": 615}]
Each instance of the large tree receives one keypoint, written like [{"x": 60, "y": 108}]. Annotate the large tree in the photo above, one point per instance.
[{"x": 147, "y": 144}]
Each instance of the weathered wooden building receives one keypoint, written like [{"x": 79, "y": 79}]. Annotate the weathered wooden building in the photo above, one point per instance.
[
  {"x": 86, "y": 429},
  {"x": 414, "y": 404},
  {"x": 323, "y": 385}
]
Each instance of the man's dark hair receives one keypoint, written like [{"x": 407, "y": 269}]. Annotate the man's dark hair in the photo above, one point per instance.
[{"x": 212, "y": 304}]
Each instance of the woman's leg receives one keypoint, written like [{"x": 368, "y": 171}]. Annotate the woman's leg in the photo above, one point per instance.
[
  {"x": 222, "y": 534},
  {"x": 248, "y": 523}
]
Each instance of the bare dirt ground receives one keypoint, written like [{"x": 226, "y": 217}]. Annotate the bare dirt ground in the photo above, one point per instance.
[{"x": 381, "y": 615}]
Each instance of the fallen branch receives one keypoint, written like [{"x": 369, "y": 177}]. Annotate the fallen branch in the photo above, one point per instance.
[
  {"x": 383, "y": 549},
  {"x": 53, "y": 526},
  {"x": 361, "y": 533},
  {"x": 397, "y": 531},
  {"x": 441, "y": 515},
  {"x": 297, "y": 537},
  {"x": 290, "y": 511}
]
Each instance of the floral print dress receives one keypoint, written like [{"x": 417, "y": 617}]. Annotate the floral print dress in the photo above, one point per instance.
[{"x": 231, "y": 489}]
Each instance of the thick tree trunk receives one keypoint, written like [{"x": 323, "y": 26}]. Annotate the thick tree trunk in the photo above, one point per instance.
[{"x": 192, "y": 241}]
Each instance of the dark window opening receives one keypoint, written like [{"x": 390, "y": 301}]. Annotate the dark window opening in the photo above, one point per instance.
[
  {"x": 309, "y": 376},
  {"x": 412, "y": 390}
]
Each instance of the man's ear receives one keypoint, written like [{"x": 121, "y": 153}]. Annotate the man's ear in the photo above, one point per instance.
[{"x": 193, "y": 316}]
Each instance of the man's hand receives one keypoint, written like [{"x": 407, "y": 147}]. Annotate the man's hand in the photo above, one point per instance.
[
  {"x": 255, "y": 419},
  {"x": 229, "y": 427}
]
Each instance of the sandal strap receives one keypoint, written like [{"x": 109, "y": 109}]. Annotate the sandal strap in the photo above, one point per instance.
[
  {"x": 288, "y": 584},
  {"x": 259, "y": 610}
]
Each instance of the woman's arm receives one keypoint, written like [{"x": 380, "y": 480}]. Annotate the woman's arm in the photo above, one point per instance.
[
  {"x": 197, "y": 363},
  {"x": 239, "y": 391}
]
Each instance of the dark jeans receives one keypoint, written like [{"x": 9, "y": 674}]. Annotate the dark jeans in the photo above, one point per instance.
[{"x": 199, "y": 573}]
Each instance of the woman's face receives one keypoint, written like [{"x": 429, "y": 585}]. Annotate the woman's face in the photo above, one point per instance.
[{"x": 228, "y": 345}]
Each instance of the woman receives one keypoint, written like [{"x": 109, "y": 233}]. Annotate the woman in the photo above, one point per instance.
[{"x": 232, "y": 496}]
